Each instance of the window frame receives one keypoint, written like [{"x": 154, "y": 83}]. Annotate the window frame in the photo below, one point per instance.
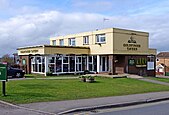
[
  {"x": 99, "y": 38},
  {"x": 54, "y": 42},
  {"x": 85, "y": 40},
  {"x": 71, "y": 41},
  {"x": 60, "y": 42}
]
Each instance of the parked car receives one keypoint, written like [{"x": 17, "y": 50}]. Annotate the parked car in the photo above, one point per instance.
[{"x": 15, "y": 72}]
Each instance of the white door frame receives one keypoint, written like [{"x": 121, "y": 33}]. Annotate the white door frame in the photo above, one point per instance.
[{"x": 101, "y": 63}]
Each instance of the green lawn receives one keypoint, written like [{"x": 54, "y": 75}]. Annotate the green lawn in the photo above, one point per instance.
[{"x": 36, "y": 90}]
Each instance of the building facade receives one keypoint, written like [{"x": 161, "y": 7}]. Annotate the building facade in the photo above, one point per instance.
[
  {"x": 162, "y": 63},
  {"x": 111, "y": 51}
]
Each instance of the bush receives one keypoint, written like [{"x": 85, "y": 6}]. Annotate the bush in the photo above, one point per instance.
[
  {"x": 86, "y": 71},
  {"x": 49, "y": 74},
  {"x": 89, "y": 79}
]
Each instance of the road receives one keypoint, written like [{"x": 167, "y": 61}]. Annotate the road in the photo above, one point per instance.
[
  {"x": 159, "y": 108},
  {"x": 11, "y": 110}
]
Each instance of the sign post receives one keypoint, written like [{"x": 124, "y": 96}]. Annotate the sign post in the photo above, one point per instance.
[{"x": 3, "y": 77}]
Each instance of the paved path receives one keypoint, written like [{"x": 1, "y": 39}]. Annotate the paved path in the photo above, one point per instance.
[
  {"x": 61, "y": 106},
  {"x": 57, "y": 78},
  {"x": 162, "y": 76},
  {"x": 154, "y": 81}
]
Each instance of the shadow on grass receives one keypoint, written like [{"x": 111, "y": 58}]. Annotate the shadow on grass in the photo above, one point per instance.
[{"x": 91, "y": 82}]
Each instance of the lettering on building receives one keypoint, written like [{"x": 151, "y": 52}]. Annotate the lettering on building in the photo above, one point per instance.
[
  {"x": 132, "y": 44},
  {"x": 29, "y": 51}
]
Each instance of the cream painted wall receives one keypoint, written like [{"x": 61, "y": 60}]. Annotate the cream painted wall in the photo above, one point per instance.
[
  {"x": 121, "y": 40},
  {"x": 115, "y": 38},
  {"x": 52, "y": 50}
]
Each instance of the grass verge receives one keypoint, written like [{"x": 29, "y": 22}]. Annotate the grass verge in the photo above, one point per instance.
[{"x": 36, "y": 90}]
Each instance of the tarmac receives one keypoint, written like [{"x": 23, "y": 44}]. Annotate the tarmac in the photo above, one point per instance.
[
  {"x": 64, "y": 107},
  {"x": 71, "y": 106}
]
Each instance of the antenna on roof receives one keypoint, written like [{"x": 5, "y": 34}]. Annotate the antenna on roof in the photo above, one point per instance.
[{"x": 104, "y": 19}]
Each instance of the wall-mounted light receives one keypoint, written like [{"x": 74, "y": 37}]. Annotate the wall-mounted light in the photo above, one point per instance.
[{"x": 99, "y": 44}]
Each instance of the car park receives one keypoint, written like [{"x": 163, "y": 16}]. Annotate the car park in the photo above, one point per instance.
[{"x": 15, "y": 72}]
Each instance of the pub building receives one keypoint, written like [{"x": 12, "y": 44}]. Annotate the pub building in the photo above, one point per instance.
[{"x": 108, "y": 51}]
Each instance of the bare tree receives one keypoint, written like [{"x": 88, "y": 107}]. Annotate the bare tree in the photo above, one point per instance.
[{"x": 7, "y": 58}]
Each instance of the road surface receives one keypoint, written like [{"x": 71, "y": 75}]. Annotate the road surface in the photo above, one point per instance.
[{"x": 159, "y": 108}]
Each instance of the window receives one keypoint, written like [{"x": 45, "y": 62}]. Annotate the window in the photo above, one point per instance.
[
  {"x": 61, "y": 42},
  {"x": 100, "y": 38},
  {"x": 37, "y": 64},
  {"x": 85, "y": 39},
  {"x": 72, "y": 42},
  {"x": 150, "y": 63},
  {"x": 79, "y": 63},
  {"x": 53, "y": 42},
  {"x": 150, "y": 58}
]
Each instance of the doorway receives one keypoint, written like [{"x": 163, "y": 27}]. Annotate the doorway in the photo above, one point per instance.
[{"x": 103, "y": 63}]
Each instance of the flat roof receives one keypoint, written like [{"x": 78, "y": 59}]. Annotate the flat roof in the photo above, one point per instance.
[
  {"x": 52, "y": 46},
  {"x": 113, "y": 30}
]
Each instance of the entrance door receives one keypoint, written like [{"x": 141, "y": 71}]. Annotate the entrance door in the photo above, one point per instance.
[{"x": 103, "y": 63}]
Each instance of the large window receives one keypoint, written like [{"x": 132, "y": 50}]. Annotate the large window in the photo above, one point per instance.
[
  {"x": 79, "y": 63},
  {"x": 92, "y": 63},
  {"x": 38, "y": 64},
  {"x": 85, "y": 39},
  {"x": 72, "y": 42},
  {"x": 65, "y": 64},
  {"x": 150, "y": 62},
  {"x": 53, "y": 42},
  {"x": 61, "y": 42},
  {"x": 58, "y": 63},
  {"x": 51, "y": 65},
  {"x": 100, "y": 38}
]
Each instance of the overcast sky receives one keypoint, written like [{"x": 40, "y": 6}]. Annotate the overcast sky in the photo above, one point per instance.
[{"x": 33, "y": 22}]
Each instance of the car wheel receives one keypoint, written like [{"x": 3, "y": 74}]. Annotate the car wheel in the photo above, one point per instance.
[{"x": 18, "y": 75}]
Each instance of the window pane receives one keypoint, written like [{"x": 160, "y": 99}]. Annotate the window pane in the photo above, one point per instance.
[
  {"x": 51, "y": 59},
  {"x": 72, "y": 42},
  {"x": 59, "y": 64},
  {"x": 90, "y": 59},
  {"x": 85, "y": 39},
  {"x": 61, "y": 42},
  {"x": 65, "y": 67},
  {"x": 51, "y": 67},
  {"x": 100, "y": 38},
  {"x": 53, "y": 42},
  {"x": 65, "y": 59}
]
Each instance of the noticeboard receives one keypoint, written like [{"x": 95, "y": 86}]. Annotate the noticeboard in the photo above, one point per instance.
[
  {"x": 3, "y": 72},
  {"x": 131, "y": 62}
]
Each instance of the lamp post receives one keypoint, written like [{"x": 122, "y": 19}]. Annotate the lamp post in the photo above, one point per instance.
[{"x": 164, "y": 67}]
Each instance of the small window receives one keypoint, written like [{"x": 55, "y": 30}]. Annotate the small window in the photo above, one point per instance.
[
  {"x": 85, "y": 39},
  {"x": 100, "y": 38},
  {"x": 72, "y": 42},
  {"x": 61, "y": 42},
  {"x": 53, "y": 42},
  {"x": 150, "y": 58}
]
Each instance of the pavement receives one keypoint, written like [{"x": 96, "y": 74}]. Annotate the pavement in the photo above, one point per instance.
[
  {"x": 154, "y": 81},
  {"x": 66, "y": 107},
  {"x": 118, "y": 76},
  {"x": 63, "y": 107}
]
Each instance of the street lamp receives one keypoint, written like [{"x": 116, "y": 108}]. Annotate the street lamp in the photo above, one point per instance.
[{"x": 164, "y": 65}]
